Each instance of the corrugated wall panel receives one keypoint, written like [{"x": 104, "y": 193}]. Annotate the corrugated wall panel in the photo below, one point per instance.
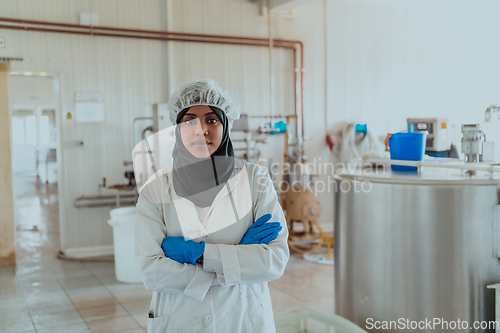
[
  {"x": 131, "y": 74},
  {"x": 112, "y": 66},
  {"x": 242, "y": 70},
  {"x": 393, "y": 60}
]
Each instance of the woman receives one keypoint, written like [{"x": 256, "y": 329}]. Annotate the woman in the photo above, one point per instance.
[{"x": 210, "y": 231}]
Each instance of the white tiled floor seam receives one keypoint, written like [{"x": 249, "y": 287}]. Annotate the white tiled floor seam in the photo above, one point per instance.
[
  {"x": 69, "y": 297},
  {"x": 26, "y": 302},
  {"x": 62, "y": 287},
  {"x": 29, "y": 312},
  {"x": 116, "y": 299},
  {"x": 24, "y": 297},
  {"x": 107, "y": 289}
]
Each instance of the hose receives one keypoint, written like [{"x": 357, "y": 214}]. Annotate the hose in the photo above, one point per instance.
[
  {"x": 315, "y": 248},
  {"x": 328, "y": 240},
  {"x": 324, "y": 238}
]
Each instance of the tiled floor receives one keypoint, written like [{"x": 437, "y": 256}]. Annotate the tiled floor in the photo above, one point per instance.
[{"x": 44, "y": 294}]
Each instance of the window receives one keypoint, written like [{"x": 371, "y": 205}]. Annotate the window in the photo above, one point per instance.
[
  {"x": 30, "y": 131},
  {"x": 24, "y": 127},
  {"x": 26, "y": 130},
  {"x": 18, "y": 130}
]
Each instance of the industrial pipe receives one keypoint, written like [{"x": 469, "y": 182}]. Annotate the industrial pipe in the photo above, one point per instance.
[
  {"x": 104, "y": 200},
  {"x": 460, "y": 165},
  {"x": 21, "y": 24}
]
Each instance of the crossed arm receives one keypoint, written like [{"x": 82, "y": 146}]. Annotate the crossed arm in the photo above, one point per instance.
[{"x": 168, "y": 264}]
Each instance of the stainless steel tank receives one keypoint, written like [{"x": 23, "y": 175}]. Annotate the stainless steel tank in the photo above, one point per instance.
[{"x": 415, "y": 247}]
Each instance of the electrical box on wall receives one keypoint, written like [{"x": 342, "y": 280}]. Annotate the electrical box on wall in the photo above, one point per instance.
[{"x": 438, "y": 129}]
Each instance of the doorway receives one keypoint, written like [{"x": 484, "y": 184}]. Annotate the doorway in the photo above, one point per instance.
[{"x": 35, "y": 142}]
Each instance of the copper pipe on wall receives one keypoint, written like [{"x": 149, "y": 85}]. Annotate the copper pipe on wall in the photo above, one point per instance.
[
  {"x": 77, "y": 26},
  {"x": 165, "y": 36}
]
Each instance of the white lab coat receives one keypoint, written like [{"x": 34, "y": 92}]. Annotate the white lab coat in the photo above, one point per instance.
[{"x": 229, "y": 292}]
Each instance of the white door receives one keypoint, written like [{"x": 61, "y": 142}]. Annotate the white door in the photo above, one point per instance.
[
  {"x": 34, "y": 135},
  {"x": 25, "y": 140}
]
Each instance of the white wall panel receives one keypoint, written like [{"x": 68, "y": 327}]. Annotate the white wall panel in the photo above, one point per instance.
[
  {"x": 391, "y": 60},
  {"x": 241, "y": 70},
  {"x": 132, "y": 74},
  {"x": 126, "y": 72},
  {"x": 31, "y": 90}
]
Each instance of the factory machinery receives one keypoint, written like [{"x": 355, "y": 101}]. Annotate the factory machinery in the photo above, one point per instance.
[
  {"x": 126, "y": 194},
  {"x": 420, "y": 246},
  {"x": 301, "y": 208}
]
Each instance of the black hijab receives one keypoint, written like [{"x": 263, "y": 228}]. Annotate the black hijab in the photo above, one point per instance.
[{"x": 200, "y": 179}]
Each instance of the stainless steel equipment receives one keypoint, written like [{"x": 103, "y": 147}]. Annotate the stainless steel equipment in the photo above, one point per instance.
[
  {"x": 474, "y": 144},
  {"x": 416, "y": 247},
  {"x": 439, "y": 134}
]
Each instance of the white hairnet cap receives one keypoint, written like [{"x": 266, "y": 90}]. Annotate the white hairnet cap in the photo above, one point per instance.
[{"x": 203, "y": 92}]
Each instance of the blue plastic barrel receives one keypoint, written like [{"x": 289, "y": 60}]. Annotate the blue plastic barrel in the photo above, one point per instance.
[{"x": 408, "y": 147}]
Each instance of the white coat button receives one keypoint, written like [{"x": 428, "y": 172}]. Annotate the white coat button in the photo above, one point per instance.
[{"x": 208, "y": 318}]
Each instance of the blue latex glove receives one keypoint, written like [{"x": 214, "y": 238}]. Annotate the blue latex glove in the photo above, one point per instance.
[
  {"x": 184, "y": 251},
  {"x": 261, "y": 232}
]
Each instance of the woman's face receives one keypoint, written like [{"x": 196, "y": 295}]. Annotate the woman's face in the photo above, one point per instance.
[{"x": 201, "y": 131}]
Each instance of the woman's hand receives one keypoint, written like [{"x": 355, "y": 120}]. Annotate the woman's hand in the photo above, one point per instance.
[
  {"x": 182, "y": 250},
  {"x": 261, "y": 232}
]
